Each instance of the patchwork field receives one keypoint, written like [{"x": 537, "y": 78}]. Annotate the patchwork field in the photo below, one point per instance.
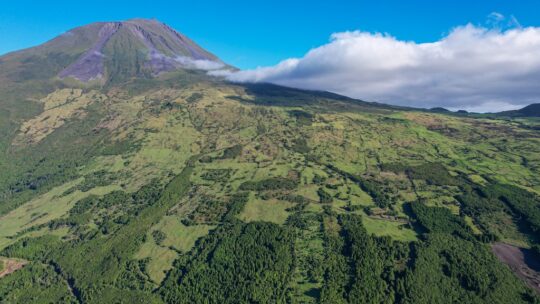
[{"x": 178, "y": 190}]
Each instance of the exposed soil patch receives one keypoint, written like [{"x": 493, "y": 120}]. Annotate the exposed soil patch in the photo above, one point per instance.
[
  {"x": 522, "y": 262},
  {"x": 10, "y": 266}
]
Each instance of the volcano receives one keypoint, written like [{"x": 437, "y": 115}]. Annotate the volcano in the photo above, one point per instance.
[{"x": 113, "y": 51}]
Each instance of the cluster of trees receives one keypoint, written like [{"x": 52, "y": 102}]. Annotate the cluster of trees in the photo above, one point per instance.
[
  {"x": 303, "y": 118},
  {"x": 442, "y": 268},
  {"x": 300, "y": 145},
  {"x": 218, "y": 175},
  {"x": 360, "y": 268},
  {"x": 336, "y": 272},
  {"x": 96, "y": 179},
  {"x": 228, "y": 153},
  {"x": 209, "y": 210},
  {"x": 318, "y": 179},
  {"x": 295, "y": 198},
  {"x": 324, "y": 197},
  {"x": 377, "y": 193},
  {"x": 107, "y": 213},
  {"x": 158, "y": 236},
  {"x": 440, "y": 220},
  {"x": 470, "y": 272},
  {"x": 367, "y": 260},
  {"x": 35, "y": 281},
  {"x": 237, "y": 263},
  {"x": 273, "y": 183},
  {"x": 194, "y": 97},
  {"x": 302, "y": 220},
  {"x": 232, "y": 152},
  {"x": 474, "y": 203},
  {"x": 432, "y": 173},
  {"x": 297, "y": 207},
  {"x": 524, "y": 203},
  {"x": 212, "y": 210},
  {"x": 237, "y": 202},
  {"x": 449, "y": 269}
]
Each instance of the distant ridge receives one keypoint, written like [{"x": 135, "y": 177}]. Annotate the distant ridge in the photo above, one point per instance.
[{"x": 532, "y": 110}]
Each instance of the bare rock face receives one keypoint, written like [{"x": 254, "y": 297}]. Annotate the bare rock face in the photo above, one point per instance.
[{"x": 135, "y": 47}]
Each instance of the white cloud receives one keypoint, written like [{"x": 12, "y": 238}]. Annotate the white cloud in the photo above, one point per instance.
[
  {"x": 472, "y": 68},
  {"x": 199, "y": 64}
]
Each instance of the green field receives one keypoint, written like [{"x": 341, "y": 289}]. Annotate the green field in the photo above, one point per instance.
[
  {"x": 273, "y": 211},
  {"x": 178, "y": 237},
  {"x": 395, "y": 230}
]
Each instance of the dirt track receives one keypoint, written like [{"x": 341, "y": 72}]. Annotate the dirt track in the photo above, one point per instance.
[
  {"x": 521, "y": 261},
  {"x": 11, "y": 266}
]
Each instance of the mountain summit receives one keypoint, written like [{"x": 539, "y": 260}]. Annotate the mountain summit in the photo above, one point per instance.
[{"x": 116, "y": 51}]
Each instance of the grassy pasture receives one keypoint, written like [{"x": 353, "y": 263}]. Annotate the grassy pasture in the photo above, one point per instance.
[
  {"x": 272, "y": 210},
  {"x": 396, "y": 230}
]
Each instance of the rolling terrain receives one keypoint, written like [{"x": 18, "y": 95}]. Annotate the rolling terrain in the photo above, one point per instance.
[{"x": 129, "y": 175}]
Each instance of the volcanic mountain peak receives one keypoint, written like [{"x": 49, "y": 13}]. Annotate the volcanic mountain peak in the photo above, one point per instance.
[
  {"x": 120, "y": 50},
  {"x": 143, "y": 46}
]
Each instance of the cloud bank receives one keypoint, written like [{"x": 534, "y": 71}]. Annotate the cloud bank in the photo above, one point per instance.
[{"x": 472, "y": 68}]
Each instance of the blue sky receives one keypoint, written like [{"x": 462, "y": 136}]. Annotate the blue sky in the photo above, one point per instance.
[{"x": 248, "y": 34}]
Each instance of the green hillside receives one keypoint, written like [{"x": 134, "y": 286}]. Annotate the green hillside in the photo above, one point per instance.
[{"x": 178, "y": 187}]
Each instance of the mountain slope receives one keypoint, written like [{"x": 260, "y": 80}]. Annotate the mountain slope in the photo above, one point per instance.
[{"x": 178, "y": 187}]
